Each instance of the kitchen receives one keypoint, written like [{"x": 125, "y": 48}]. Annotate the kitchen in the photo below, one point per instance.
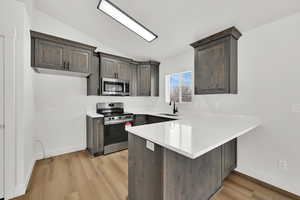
[{"x": 53, "y": 110}]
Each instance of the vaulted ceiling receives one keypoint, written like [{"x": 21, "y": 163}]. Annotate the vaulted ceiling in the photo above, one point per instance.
[{"x": 177, "y": 23}]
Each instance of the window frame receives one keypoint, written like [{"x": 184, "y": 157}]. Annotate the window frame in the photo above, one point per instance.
[{"x": 180, "y": 90}]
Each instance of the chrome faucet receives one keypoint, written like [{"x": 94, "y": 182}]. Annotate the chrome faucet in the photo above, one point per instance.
[{"x": 175, "y": 109}]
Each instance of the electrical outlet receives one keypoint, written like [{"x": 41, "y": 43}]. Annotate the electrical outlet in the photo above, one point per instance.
[
  {"x": 283, "y": 165},
  {"x": 296, "y": 108},
  {"x": 150, "y": 145}
]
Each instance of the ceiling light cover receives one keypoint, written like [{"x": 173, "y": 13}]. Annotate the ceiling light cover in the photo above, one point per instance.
[{"x": 113, "y": 11}]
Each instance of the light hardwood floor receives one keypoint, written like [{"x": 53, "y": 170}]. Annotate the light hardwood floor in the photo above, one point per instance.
[{"x": 77, "y": 176}]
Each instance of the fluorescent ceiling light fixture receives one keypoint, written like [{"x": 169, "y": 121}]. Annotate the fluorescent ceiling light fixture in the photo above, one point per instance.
[{"x": 116, "y": 13}]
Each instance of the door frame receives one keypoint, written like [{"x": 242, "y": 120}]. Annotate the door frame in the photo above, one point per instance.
[{"x": 9, "y": 37}]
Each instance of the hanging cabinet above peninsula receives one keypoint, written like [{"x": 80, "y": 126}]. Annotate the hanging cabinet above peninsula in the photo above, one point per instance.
[{"x": 216, "y": 66}]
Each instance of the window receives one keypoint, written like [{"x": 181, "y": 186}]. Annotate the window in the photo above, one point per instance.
[{"x": 179, "y": 87}]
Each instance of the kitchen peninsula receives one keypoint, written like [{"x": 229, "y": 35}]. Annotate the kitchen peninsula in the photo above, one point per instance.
[{"x": 186, "y": 159}]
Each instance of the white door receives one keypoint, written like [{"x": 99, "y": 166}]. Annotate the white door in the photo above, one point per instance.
[{"x": 1, "y": 117}]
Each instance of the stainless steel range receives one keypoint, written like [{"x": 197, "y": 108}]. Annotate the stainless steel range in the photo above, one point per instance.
[{"x": 115, "y": 120}]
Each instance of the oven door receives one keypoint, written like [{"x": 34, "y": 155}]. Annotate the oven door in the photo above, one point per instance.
[
  {"x": 112, "y": 87},
  {"x": 115, "y": 133}
]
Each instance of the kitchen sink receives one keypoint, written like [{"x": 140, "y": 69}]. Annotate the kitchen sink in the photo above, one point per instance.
[{"x": 141, "y": 119}]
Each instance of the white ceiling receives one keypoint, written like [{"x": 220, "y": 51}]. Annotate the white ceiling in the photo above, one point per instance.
[{"x": 177, "y": 23}]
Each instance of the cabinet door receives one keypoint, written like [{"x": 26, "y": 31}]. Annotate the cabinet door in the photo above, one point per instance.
[
  {"x": 93, "y": 82},
  {"x": 145, "y": 172},
  {"x": 109, "y": 68},
  {"x": 211, "y": 68},
  {"x": 144, "y": 82},
  {"x": 50, "y": 55},
  {"x": 133, "y": 80},
  {"x": 154, "y": 80},
  {"x": 229, "y": 158},
  {"x": 95, "y": 135},
  {"x": 79, "y": 60},
  {"x": 124, "y": 71}
]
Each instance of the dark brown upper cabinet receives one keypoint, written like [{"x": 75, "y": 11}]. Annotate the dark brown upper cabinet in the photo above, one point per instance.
[
  {"x": 79, "y": 60},
  {"x": 109, "y": 67},
  {"x": 50, "y": 54},
  {"x": 216, "y": 70},
  {"x": 155, "y": 79},
  {"x": 143, "y": 76},
  {"x": 133, "y": 79},
  {"x": 144, "y": 80},
  {"x": 93, "y": 80},
  {"x": 115, "y": 67},
  {"x": 148, "y": 78}
]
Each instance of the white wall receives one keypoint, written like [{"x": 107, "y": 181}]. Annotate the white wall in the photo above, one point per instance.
[
  {"x": 49, "y": 25},
  {"x": 269, "y": 68},
  {"x": 15, "y": 16},
  {"x": 28, "y": 103},
  {"x": 25, "y": 108},
  {"x": 61, "y": 101}
]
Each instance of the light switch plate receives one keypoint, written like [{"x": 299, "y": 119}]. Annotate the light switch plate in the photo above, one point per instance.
[{"x": 150, "y": 145}]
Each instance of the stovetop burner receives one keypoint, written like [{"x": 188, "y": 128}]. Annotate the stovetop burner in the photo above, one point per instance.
[{"x": 113, "y": 113}]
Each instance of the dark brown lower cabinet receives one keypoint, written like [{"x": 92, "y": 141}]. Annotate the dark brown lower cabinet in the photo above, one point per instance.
[
  {"x": 229, "y": 158},
  {"x": 145, "y": 178},
  {"x": 165, "y": 175},
  {"x": 95, "y": 136}
]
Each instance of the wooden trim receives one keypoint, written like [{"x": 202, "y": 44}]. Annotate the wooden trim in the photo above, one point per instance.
[
  {"x": 44, "y": 36},
  {"x": 97, "y": 54},
  {"x": 107, "y": 55},
  {"x": 130, "y": 60},
  {"x": 267, "y": 185},
  {"x": 233, "y": 32},
  {"x": 150, "y": 62}
]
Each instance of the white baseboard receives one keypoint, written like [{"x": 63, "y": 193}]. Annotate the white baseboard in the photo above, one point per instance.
[
  {"x": 20, "y": 189},
  {"x": 262, "y": 177},
  {"x": 59, "y": 151}
]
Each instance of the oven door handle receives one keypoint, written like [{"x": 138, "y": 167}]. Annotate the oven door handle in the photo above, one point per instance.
[{"x": 117, "y": 122}]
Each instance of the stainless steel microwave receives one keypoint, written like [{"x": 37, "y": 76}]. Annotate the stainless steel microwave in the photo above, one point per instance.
[{"x": 115, "y": 87}]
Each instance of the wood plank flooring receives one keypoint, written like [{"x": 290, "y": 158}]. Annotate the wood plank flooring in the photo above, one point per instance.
[{"x": 77, "y": 176}]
